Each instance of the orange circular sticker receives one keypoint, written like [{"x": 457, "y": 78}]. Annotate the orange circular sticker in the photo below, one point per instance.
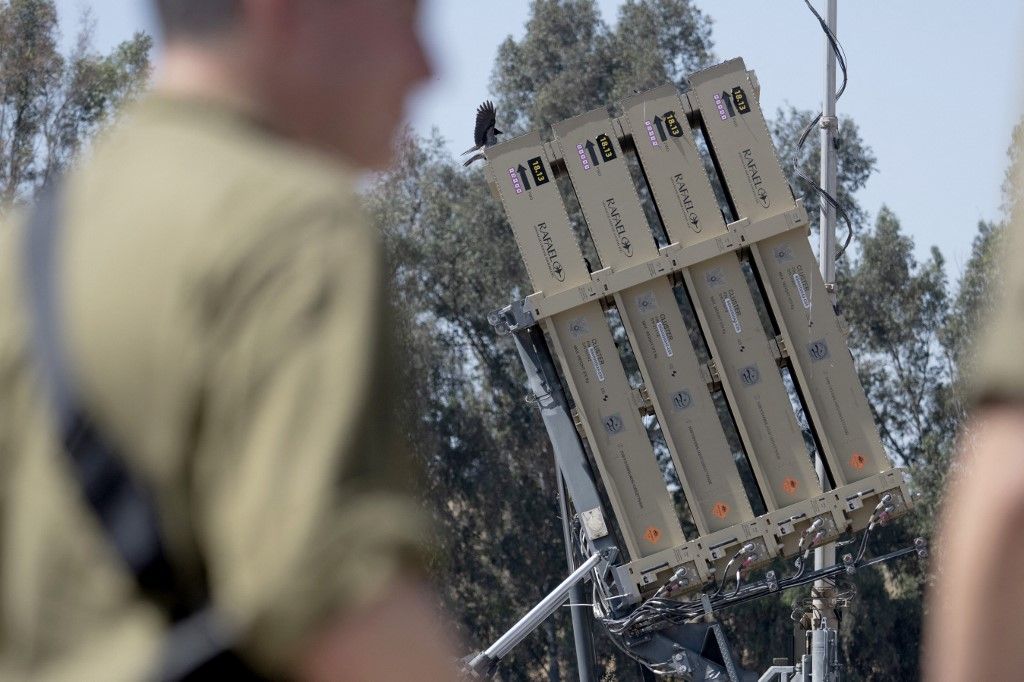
[
  {"x": 790, "y": 485},
  {"x": 858, "y": 460},
  {"x": 721, "y": 510},
  {"x": 652, "y": 535}
]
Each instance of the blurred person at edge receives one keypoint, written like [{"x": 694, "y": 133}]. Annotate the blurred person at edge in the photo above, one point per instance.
[
  {"x": 974, "y": 627},
  {"x": 221, "y": 298}
]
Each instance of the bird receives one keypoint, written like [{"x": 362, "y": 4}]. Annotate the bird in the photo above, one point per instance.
[{"x": 485, "y": 134}]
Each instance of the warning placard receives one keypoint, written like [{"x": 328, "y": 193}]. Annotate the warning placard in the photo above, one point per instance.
[{"x": 652, "y": 535}]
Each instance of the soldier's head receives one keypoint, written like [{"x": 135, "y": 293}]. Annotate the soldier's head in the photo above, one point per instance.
[
  {"x": 196, "y": 19},
  {"x": 331, "y": 73}
]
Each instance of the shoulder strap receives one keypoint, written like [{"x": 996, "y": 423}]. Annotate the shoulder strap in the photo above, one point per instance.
[
  {"x": 198, "y": 644},
  {"x": 120, "y": 501}
]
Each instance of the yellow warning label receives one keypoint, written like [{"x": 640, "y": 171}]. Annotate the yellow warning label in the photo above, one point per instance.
[
  {"x": 721, "y": 510},
  {"x": 857, "y": 461},
  {"x": 652, "y": 535},
  {"x": 790, "y": 485}
]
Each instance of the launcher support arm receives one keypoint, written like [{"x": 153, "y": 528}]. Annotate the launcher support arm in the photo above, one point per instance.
[{"x": 483, "y": 663}]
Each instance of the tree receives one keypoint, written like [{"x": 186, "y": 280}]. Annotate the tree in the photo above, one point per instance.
[
  {"x": 570, "y": 61},
  {"x": 897, "y": 308},
  {"x": 52, "y": 104}
]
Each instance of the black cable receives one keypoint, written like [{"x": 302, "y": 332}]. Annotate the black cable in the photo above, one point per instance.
[
  {"x": 840, "y": 54},
  {"x": 655, "y": 613},
  {"x": 840, "y": 211}
]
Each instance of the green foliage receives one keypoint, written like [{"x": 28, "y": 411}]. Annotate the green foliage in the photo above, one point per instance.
[
  {"x": 51, "y": 104},
  {"x": 980, "y": 277},
  {"x": 897, "y": 309},
  {"x": 570, "y": 61}
]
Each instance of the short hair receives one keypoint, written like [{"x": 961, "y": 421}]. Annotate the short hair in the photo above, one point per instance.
[{"x": 196, "y": 18}]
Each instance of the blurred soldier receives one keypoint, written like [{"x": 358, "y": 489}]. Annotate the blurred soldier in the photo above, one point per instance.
[
  {"x": 220, "y": 300},
  {"x": 975, "y": 615}
]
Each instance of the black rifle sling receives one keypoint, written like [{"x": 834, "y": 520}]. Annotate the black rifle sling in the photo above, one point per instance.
[{"x": 198, "y": 644}]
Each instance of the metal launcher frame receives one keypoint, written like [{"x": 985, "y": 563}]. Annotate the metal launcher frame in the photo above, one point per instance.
[{"x": 727, "y": 211}]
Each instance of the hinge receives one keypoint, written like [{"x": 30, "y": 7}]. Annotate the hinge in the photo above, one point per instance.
[
  {"x": 643, "y": 402},
  {"x": 710, "y": 372},
  {"x": 593, "y": 524},
  {"x": 779, "y": 348},
  {"x": 578, "y": 423}
]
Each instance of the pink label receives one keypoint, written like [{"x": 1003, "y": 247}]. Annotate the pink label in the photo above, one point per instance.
[
  {"x": 515, "y": 180},
  {"x": 650, "y": 133},
  {"x": 721, "y": 108},
  {"x": 583, "y": 156}
]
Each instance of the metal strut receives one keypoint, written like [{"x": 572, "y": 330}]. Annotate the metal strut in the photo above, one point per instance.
[
  {"x": 485, "y": 662},
  {"x": 581, "y": 619}
]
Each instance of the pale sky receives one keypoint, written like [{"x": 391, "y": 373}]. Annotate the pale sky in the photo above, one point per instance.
[{"x": 934, "y": 87}]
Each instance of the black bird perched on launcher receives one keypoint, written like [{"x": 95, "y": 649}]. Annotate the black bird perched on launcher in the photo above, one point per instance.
[{"x": 485, "y": 134}]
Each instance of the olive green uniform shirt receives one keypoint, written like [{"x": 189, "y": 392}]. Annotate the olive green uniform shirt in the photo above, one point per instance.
[
  {"x": 998, "y": 372},
  {"x": 222, "y": 311}
]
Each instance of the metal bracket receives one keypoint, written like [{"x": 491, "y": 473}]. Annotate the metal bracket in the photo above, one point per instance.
[
  {"x": 710, "y": 372},
  {"x": 593, "y": 523},
  {"x": 723, "y": 643},
  {"x": 578, "y": 423},
  {"x": 671, "y": 259},
  {"x": 642, "y": 398},
  {"x": 513, "y": 317},
  {"x": 780, "y": 344}
]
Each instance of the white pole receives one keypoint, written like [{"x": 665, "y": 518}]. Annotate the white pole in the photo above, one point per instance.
[
  {"x": 826, "y": 556},
  {"x": 538, "y": 614},
  {"x": 829, "y": 125}
]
